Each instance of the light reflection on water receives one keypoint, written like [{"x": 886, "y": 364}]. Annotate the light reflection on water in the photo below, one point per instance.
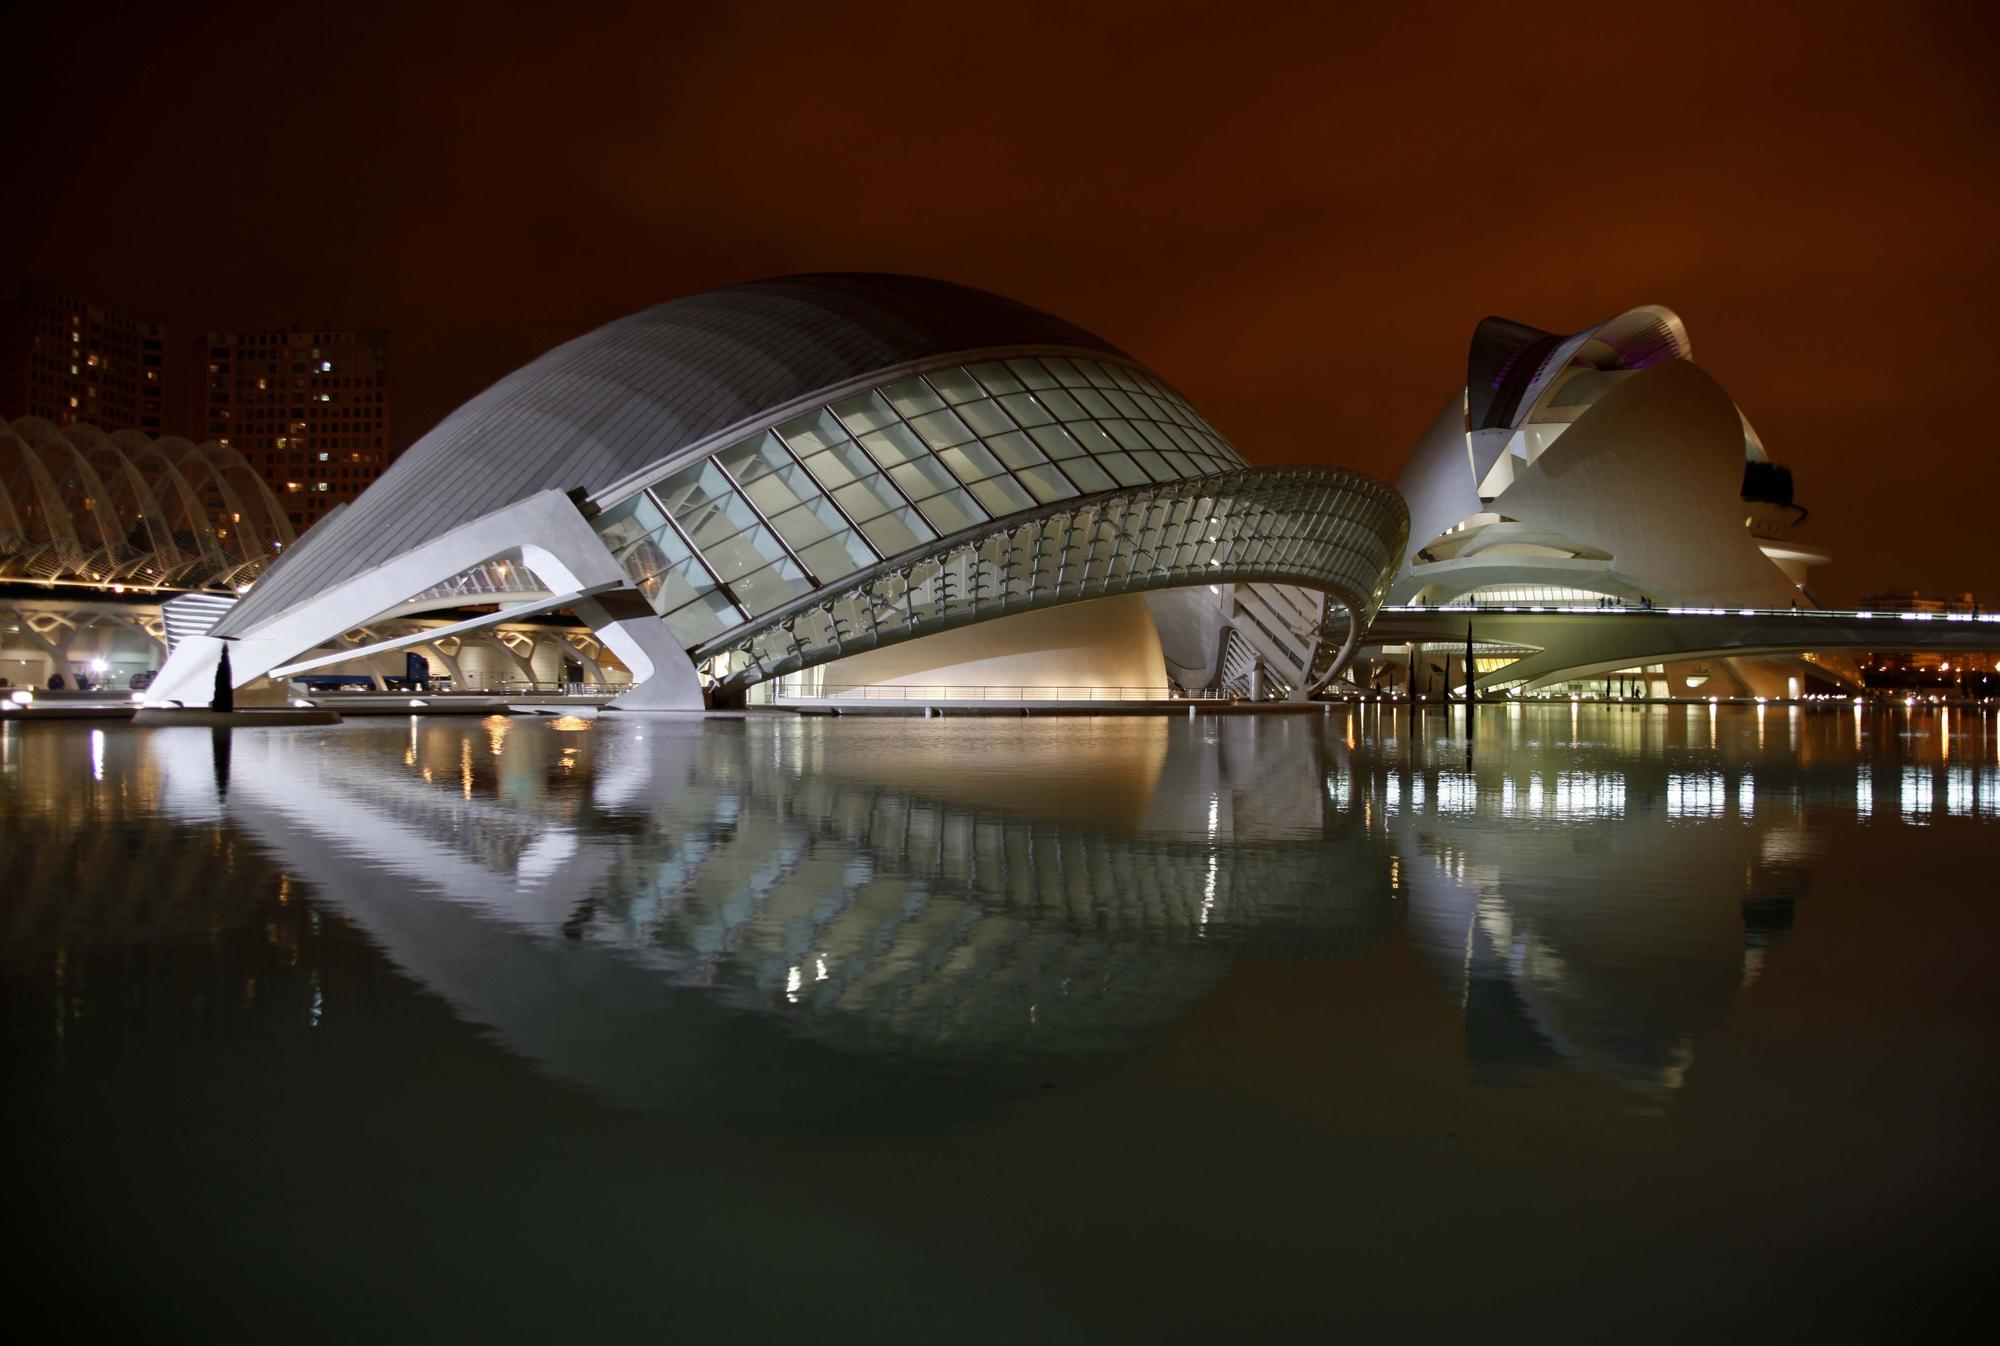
[
  {"x": 901, "y": 929},
  {"x": 1066, "y": 886}
]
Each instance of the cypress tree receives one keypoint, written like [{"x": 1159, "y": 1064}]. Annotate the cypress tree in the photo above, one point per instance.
[{"x": 224, "y": 699}]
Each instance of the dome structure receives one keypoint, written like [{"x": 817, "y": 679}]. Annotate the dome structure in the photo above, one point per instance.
[
  {"x": 769, "y": 477},
  {"x": 640, "y": 390}
]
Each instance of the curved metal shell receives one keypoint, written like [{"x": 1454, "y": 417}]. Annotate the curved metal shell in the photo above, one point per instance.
[{"x": 597, "y": 409}]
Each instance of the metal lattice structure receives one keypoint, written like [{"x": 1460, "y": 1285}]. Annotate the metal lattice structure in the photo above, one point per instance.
[
  {"x": 1326, "y": 529},
  {"x": 78, "y": 506}
]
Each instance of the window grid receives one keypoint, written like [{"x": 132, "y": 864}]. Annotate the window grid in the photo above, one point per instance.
[
  {"x": 1321, "y": 527},
  {"x": 900, "y": 464}
]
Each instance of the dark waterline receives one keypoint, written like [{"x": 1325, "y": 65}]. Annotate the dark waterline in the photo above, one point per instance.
[{"x": 1613, "y": 1022}]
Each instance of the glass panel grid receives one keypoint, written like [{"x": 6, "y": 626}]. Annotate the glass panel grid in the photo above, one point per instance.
[{"x": 962, "y": 444}]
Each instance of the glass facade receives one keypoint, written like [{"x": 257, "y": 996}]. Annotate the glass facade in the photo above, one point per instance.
[
  {"x": 1547, "y": 595},
  {"x": 1329, "y": 530},
  {"x": 718, "y": 543}
]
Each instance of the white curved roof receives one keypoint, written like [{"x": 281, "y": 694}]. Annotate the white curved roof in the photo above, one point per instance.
[{"x": 637, "y": 391}]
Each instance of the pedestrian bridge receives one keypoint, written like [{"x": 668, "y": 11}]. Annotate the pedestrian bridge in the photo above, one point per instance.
[{"x": 1564, "y": 643}]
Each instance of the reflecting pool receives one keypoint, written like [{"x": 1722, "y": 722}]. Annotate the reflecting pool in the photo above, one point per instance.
[{"x": 1593, "y": 1021}]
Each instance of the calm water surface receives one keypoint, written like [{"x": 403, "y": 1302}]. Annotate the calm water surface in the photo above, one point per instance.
[{"x": 1609, "y": 1023}]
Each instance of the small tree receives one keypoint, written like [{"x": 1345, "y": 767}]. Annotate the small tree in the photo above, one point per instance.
[{"x": 224, "y": 699}]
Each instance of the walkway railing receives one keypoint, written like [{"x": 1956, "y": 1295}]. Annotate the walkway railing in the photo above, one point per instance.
[
  {"x": 443, "y": 686},
  {"x": 942, "y": 693},
  {"x": 1640, "y": 610}
]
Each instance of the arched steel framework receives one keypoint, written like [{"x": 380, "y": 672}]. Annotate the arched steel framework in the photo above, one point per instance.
[
  {"x": 1320, "y": 528},
  {"x": 78, "y": 506}
]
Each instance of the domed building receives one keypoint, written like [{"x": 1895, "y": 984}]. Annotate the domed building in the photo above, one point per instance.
[
  {"x": 841, "y": 479},
  {"x": 1605, "y": 467}
]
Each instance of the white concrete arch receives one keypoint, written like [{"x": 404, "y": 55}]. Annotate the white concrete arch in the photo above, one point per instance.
[
  {"x": 112, "y": 455},
  {"x": 58, "y": 550},
  {"x": 198, "y": 463},
  {"x": 195, "y": 548},
  {"x": 85, "y": 507}
]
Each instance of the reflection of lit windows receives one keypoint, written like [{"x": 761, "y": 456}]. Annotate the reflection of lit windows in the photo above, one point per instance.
[
  {"x": 1589, "y": 794},
  {"x": 1457, "y": 792},
  {"x": 1695, "y": 794},
  {"x": 1864, "y": 791},
  {"x": 1917, "y": 792}
]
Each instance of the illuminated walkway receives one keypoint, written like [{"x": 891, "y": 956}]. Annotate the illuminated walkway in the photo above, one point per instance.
[{"x": 1568, "y": 643}]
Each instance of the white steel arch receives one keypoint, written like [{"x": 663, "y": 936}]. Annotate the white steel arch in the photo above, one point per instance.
[{"x": 78, "y": 506}]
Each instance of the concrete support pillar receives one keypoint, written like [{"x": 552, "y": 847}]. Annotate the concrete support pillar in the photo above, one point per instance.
[{"x": 662, "y": 677}]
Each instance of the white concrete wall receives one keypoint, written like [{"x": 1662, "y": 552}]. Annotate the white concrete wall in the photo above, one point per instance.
[{"x": 483, "y": 666}]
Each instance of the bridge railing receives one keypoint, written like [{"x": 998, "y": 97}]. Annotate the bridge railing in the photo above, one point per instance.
[
  {"x": 1013, "y": 692},
  {"x": 1640, "y": 610}
]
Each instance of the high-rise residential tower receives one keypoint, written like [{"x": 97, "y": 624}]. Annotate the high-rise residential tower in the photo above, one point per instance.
[
  {"x": 69, "y": 361},
  {"x": 308, "y": 407}
]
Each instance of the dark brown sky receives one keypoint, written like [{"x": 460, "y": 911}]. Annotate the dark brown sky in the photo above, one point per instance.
[{"x": 1295, "y": 213}]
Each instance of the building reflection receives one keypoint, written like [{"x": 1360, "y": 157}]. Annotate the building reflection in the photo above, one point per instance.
[
  {"x": 135, "y": 913},
  {"x": 657, "y": 908},
  {"x": 645, "y": 892},
  {"x": 1593, "y": 904}
]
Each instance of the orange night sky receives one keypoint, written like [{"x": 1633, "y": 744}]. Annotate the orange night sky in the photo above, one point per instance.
[{"x": 1294, "y": 212}]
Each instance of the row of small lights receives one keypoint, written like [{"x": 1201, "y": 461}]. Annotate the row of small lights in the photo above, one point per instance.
[
  {"x": 1575, "y": 698},
  {"x": 1703, "y": 612}
]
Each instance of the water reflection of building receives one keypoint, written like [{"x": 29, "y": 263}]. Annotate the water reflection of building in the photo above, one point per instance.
[
  {"x": 613, "y": 899},
  {"x": 726, "y": 914},
  {"x": 107, "y": 859},
  {"x": 1504, "y": 862}
]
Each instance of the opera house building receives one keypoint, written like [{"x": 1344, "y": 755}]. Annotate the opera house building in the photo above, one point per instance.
[{"x": 1605, "y": 469}]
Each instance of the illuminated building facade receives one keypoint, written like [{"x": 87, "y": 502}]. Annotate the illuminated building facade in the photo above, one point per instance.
[
  {"x": 307, "y": 407},
  {"x": 68, "y": 361},
  {"x": 1930, "y": 671},
  {"x": 761, "y": 481},
  {"x": 1605, "y": 468}
]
